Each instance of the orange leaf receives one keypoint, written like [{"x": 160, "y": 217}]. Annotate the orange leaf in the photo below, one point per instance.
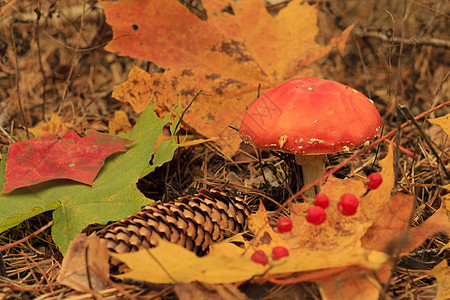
[
  {"x": 226, "y": 57},
  {"x": 391, "y": 227}
]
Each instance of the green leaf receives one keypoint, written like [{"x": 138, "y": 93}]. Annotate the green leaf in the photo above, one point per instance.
[
  {"x": 166, "y": 149},
  {"x": 112, "y": 196}
]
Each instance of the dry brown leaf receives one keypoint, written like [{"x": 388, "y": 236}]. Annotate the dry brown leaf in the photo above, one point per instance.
[
  {"x": 439, "y": 222},
  {"x": 85, "y": 254}
]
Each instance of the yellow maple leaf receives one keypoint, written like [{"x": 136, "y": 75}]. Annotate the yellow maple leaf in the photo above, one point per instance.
[
  {"x": 226, "y": 57},
  {"x": 442, "y": 274},
  {"x": 55, "y": 126},
  {"x": 444, "y": 122},
  {"x": 119, "y": 123}
]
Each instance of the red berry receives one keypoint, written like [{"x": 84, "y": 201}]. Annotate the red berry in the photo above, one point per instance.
[
  {"x": 321, "y": 200},
  {"x": 348, "y": 204},
  {"x": 284, "y": 224},
  {"x": 279, "y": 252},
  {"x": 316, "y": 215},
  {"x": 375, "y": 180},
  {"x": 260, "y": 257}
]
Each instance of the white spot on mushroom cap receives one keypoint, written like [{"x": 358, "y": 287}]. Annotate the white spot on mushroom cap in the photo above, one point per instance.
[
  {"x": 312, "y": 140},
  {"x": 315, "y": 121},
  {"x": 310, "y": 89},
  {"x": 283, "y": 139}
]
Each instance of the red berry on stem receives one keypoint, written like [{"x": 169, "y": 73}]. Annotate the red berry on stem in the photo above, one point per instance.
[
  {"x": 316, "y": 215},
  {"x": 284, "y": 224},
  {"x": 279, "y": 252},
  {"x": 321, "y": 200},
  {"x": 260, "y": 257},
  {"x": 375, "y": 180},
  {"x": 348, "y": 204}
]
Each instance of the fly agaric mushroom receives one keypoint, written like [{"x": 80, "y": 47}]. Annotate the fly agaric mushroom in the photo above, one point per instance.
[{"x": 310, "y": 118}]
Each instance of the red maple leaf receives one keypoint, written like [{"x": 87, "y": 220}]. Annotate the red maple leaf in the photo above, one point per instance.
[{"x": 52, "y": 157}]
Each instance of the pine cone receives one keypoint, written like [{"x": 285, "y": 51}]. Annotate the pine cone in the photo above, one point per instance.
[{"x": 193, "y": 222}]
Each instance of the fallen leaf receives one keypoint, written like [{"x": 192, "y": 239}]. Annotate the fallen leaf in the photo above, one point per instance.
[
  {"x": 442, "y": 274},
  {"x": 390, "y": 234},
  {"x": 55, "y": 126},
  {"x": 439, "y": 222},
  {"x": 85, "y": 257},
  {"x": 339, "y": 237},
  {"x": 391, "y": 228},
  {"x": 170, "y": 263},
  {"x": 203, "y": 291},
  {"x": 334, "y": 244},
  {"x": 112, "y": 196},
  {"x": 444, "y": 122},
  {"x": 437, "y": 135},
  {"x": 345, "y": 246},
  {"x": 354, "y": 283},
  {"x": 119, "y": 123},
  {"x": 226, "y": 56},
  {"x": 51, "y": 157},
  {"x": 165, "y": 149}
]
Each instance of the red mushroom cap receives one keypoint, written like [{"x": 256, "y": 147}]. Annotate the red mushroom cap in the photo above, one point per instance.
[{"x": 310, "y": 116}]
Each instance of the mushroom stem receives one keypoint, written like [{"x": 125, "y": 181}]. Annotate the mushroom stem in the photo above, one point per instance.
[{"x": 313, "y": 167}]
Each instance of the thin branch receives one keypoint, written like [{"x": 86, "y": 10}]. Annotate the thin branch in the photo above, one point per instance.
[{"x": 401, "y": 40}]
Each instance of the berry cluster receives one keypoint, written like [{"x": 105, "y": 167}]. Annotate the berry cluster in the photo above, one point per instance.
[
  {"x": 347, "y": 205},
  {"x": 284, "y": 224},
  {"x": 278, "y": 252}
]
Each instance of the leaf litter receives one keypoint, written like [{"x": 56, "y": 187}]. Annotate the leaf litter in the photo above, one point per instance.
[
  {"x": 227, "y": 57},
  {"x": 425, "y": 166}
]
